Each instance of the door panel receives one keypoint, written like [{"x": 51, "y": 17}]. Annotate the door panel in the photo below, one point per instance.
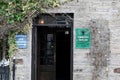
[
  {"x": 46, "y": 76},
  {"x": 46, "y": 55},
  {"x": 53, "y": 54}
]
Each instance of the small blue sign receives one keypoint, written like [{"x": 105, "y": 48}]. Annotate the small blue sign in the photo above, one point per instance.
[{"x": 21, "y": 41}]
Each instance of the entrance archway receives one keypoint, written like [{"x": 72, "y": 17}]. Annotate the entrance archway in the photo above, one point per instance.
[{"x": 52, "y": 47}]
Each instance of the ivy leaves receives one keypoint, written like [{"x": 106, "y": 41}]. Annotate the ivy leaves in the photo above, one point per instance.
[
  {"x": 11, "y": 10},
  {"x": 14, "y": 15},
  {"x": 16, "y": 10},
  {"x": 3, "y": 6}
]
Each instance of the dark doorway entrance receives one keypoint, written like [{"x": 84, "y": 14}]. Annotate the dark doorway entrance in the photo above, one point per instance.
[
  {"x": 63, "y": 55},
  {"x": 52, "y": 52}
]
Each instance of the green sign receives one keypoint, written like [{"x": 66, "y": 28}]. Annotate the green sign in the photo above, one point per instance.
[{"x": 83, "y": 38}]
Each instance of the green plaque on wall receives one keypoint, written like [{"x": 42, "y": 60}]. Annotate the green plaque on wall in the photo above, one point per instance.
[{"x": 83, "y": 38}]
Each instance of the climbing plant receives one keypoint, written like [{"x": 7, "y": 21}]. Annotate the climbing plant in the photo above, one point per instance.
[
  {"x": 15, "y": 17},
  {"x": 18, "y": 10}
]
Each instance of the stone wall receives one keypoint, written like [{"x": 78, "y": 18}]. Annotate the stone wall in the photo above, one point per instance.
[
  {"x": 100, "y": 49},
  {"x": 23, "y": 61},
  {"x": 85, "y": 11}
]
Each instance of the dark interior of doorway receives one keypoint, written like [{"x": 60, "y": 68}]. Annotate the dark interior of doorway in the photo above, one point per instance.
[
  {"x": 58, "y": 24},
  {"x": 62, "y": 38},
  {"x": 63, "y": 55}
]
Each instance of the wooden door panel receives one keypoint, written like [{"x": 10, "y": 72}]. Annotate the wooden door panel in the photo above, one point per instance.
[
  {"x": 53, "y": 54},
  {"x": 46, "y": 76},
  {"x": 46, "y": 55}
]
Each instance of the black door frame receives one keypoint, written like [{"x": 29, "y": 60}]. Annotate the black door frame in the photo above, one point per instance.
[{"x": 34, "y": 47}]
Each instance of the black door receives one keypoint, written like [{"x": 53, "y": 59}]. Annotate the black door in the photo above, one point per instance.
[
  {"x": 46, "y": 54},
  {"x": 53, "y": 53}
]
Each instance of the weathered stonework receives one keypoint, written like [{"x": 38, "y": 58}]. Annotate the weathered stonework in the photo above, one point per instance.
[
  {"x": 23, "y": 61},
  {"x": 100, "y": 48},
  {"x": 86, "y": 11}
]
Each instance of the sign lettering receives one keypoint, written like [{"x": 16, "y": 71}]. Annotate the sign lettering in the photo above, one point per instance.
[
  {"x": 83, "y": 38},
  {"x": 21, "y": 41}
]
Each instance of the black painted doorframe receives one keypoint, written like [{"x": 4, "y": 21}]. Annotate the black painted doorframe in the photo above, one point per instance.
[
  {"x": 34, "y": 49},
  {"x": 34, "y": 53}
]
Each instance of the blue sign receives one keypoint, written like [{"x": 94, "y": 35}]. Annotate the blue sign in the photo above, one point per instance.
[{"x": 21, "y": 41}]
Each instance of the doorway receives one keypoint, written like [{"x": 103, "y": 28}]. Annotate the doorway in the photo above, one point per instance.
[
  {"x": 52, "y": 53},
  {"x": 63, "y": 55}
]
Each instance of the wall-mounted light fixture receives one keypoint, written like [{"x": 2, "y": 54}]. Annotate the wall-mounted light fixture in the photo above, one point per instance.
[{"x": 41, "y": 21}]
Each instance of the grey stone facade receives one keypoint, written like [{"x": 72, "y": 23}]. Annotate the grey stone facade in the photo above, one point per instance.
[
  {"x": 23, "y": 61},
  {"x": 84, "y": 12}
]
